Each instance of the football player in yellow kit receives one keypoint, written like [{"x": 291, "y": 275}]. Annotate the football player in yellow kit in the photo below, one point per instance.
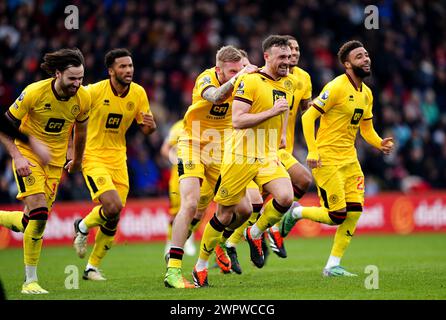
[
  {"x": 47, "y": 110},
  {"x": 116, "y": 102},
  {"x": 344, "y": 106}
]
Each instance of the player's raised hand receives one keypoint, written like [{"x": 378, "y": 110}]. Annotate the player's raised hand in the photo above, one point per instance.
[
  {"x": 249, "y": 68},
  {"x": 148, "y": 122},
  {"x": 280, "y": 106},
  {"x": 387, "y": 145}
]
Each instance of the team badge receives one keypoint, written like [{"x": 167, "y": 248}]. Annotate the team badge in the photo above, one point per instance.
[
  {"x": 101, "y": 181},
  {"x": 333, "y": 199},
  {"x": 75, "y": 110},
  {"x": 30, "y": 180},
  {"x": 288, "y": 84},
  {"x": 223, "y": 192},
  {"x": 189, "y": 165},
  {"x": 130, "y": 105}
]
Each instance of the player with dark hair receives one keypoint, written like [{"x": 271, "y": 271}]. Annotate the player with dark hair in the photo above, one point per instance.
[
  {"x": 46, "y": 110},
  {"x": 344, "y": 106},
  {"x": 116, "y": 102},
  {"x": 258, "y": 132}
]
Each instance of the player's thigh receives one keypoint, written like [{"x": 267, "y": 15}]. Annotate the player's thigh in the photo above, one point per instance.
[
  {"x": 98, "y": 180},
  {"x": 254, "y": 193},
  {"x": 354, "y": 183},
  {"x": 234, "y": 178},
  {"x": 206, "y": 195},
  {"x": 330, "y": 186},
  {"x": 270, "y": 171}
]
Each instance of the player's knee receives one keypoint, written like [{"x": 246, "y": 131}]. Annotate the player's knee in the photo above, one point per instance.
[
  {"x": 112, "y": 209},
  {"x": 190, "y": 205},
  {"x": 338, "y": 217},
  {"x": 285, "y": 200}
]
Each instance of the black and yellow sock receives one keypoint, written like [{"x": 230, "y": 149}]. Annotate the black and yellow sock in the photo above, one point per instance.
[
  {"x": 211, "y": 237},
  {"x": 195, "y": 223},
  {"x": 95, "y": 218},
  {"x": 322, "y": 215},
  {"x": 346, "y": 230},
  {"x": 13, "y": 220},
  {"x": 175, "y": 257},
  {"x": 272, "y": 213},
  {"x": 103, "y": 242},
  {"x": 33, "y": 235}
]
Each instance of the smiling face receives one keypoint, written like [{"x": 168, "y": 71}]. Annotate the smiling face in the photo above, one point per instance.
[
  {"x": 122, "y": 70},
  {"x": 359, "y": 61},
  {"x": 70, "y": 80},
  {"x": 277, "y": 60},
  {"x": 295, "y": 52}
]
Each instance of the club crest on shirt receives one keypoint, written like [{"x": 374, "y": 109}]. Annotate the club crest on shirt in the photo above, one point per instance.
[
  {"x": 75, "y": 110},
  {"x": 288, "y": 84},
  {"x": 130, "y": 105}
]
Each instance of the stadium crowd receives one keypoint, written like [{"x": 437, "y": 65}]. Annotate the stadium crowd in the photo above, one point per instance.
[{"x": 173, "y": 41}]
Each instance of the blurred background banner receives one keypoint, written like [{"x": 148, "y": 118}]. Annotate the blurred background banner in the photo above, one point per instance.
[{"x": 147, "y": 220}]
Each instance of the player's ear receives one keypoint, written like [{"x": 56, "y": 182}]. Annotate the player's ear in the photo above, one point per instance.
[
  {"x": 58, "y": 74},
  {"x": 217, "y": 69},
  {"x": 110, "y": 72}
]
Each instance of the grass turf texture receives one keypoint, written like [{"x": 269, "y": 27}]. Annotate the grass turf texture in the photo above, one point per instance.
[{"x": 410, "y": 267}]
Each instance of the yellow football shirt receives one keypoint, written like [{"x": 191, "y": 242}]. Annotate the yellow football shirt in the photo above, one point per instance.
[
  {"x": 203, "y": 119},
  {"x": 261, "y": 91},
  {"x": 342, "y": 106},
  {"x": 111, "y": 116},
  {"x": 49, "y": 117},
  {"x": 302, "y": 92}
]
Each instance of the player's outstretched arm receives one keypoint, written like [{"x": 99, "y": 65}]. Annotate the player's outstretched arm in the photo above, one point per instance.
[
  {"x": 371, "y": 137},
  {"x": 220, "y": 94}
]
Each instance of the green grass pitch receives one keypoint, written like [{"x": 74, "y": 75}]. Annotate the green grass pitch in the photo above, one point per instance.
[{"x": 410, "y": 267}]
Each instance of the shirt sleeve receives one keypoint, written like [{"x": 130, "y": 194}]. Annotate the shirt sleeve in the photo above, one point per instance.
[
  {"x": 21, "y": 105},
  {"x": 368, "y": 114},
  {"x": 143, "y": 106},
  {"x": 245, "y": 89},
  {"x": 85, "y": 107},
  {"x": 326, "y": 99},
  {"x": 204, "y": 82},
  {"x": 309, "y": 88}
]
